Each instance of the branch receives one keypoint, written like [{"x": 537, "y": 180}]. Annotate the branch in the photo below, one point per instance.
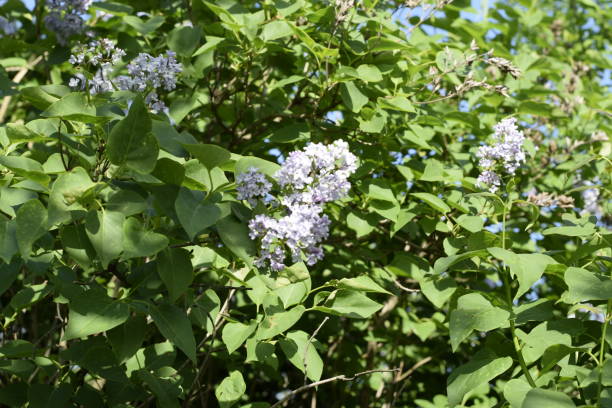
[
  {"x": 16, "y": 79},
  {"x": 325, "y": 381}
]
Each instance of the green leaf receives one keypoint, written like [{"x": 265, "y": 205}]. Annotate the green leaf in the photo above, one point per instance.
[
  {"x": 584, "y": 285},
  {"x": 92, "y": 311},
  {"x": 433, "y": 201},
  {"x": 65, "y": 193},
  {"x": 105, "y": 231},
  {"x": 296, "y": 346},
  {"x": 143, "y": 27},
  {"x": 234, "y": 334},
  {"x": 276, "y": 29},
  {"x": 131, "y": 141},
  {"x": 278, "y": 323},
  {"x": 165, "y": 390},
  {"x": 209, "y": 155},
  {"x": 474, "y": 312},
  {"x": 127, "y": 338},
  {"x": 31, "y": 224},
  {"x": 231, "y": 389},
  {"x": 175, "y": 326},
  {"x": 361, "y": 283},
  {"x": 352, "y": 96},
  {"x": 515, "y": 391},
  {"x": 138, "y": 242},
  {"x": 8, "y": 274},
  {"x": 398, "y": 103},
  {"x": 472, "y": 223},
  {"x": 113, "y": 8},
  {"x": 235, "y": 236},
  {"x": 184, "y": 40},
  {"x": 175, "y": 269},
  {"x": 25, "y": 167},
  {"x": 74, "y": 106},
  {"x": 195, "y": 213},
  {"x": 369, "y": 73},
  {"x": 571, "y": 231},
  {"x": 352, "y": 304},
  {"x": 8, "y": 240},
  {"x": 527, "y": 268},
  {"x": 481, "y": 370},
  {"x": 539, "y": 398},
  {"x": 442, "y": 264}
]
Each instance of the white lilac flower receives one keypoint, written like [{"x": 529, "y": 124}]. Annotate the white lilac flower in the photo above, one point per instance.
[
  {"x": 299, "y": 232},
  {"x": 318, "y": 174},
  {"x": 505, "y": 155},
  {"x": 308, "y": 179},
  {"x": 147, "y": 71},
  {"x": 252, "y": 186}
]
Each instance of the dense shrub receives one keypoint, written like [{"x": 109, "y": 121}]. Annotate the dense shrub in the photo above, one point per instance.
[{"x": 305, "y": 203}]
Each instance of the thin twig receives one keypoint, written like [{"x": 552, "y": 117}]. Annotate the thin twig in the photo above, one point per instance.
[
  {"x": 325, "y": 381},
  {"x": 305, "y": 364},
  {"x": 402, "y": 287}
]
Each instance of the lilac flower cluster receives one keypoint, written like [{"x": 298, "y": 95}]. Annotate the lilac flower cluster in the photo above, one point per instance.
[
  {"x": 100, "y": 56},
  {"x": 252, "y": 186},
  {"x": 590, "y": 197},
  {"x": 308, "y": 179},
  {"x": 64, "y": 18},
  {"x": 506, "y": 154},
  {"x": 146, "y": 73}
]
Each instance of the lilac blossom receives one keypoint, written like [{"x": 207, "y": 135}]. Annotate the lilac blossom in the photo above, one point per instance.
[
  {"x": 318, "y": 174},
  {"x": 505, "y": 155},
  {"x": 252, "y": 186},
  {"x": 64, "y": 18},
  {"x": 147, "y": 74},
  {"x": 299, "y": 232},
  {"x": 294, "y": 225}
]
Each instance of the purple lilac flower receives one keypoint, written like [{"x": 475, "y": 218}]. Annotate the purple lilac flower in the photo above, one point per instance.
[
  {"x": 300, "y": 231},
  {"x": 308, "y": 178},
  {"x": 252, "y": 186},
  {"x": 505, "y": 155},
  {"x": 318, "y": 174}
]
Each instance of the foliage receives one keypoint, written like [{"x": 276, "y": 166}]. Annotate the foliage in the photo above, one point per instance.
[{"x": 128, "y": 277}]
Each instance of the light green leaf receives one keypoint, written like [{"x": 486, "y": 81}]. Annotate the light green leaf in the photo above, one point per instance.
[
  {"x": 65, "y": 192},
  {"x": 74, "y": 106},
  {"x": 143, "y": 27},
  {"x": 527, "y": 268},
  {"x": 278, "y": 323},
  {"x": 474, "y": 312},
  {"x": 296, "y": 348},
  {"x": 515, "y": 391},
  {"x": 361, "y": 283},
  {"x": 472, "y": 223},
  {"x": 276, "y": 29},
  {"x": 571, "y": 231},
  {"x": 195, "y": 213},
  {"x": 353, "y": 304},
  {"x": 31, "y": 224},
  {"x": 369, "y": 73},
  {"x": 539, "y": 398},
  {"x": 184, "y": 40},
  {"x": 209, "y": 155},
  {"x": 352, "y": 96},
  {"x": 433, "y": 201},
  {"x": 25, "y": 167},
  {"x": 234, "y": 334},
  {"x": 584, "y": 285},
  {"x": 105, "y": 231},
  {"x": 138, "y": 242},
  {"x": 481, "y": 370},
  {"x": 8, "y": 240},
  {"x": 175, "y": 269},
  {"x": 231, "y": 389}
]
